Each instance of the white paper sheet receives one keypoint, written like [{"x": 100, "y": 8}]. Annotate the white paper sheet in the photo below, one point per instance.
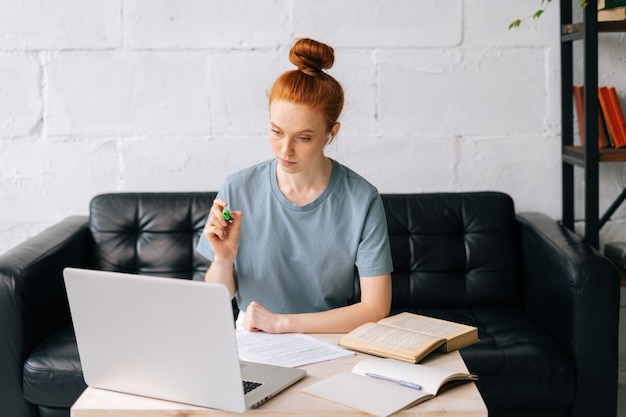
[{"x": 289, "y": 349}]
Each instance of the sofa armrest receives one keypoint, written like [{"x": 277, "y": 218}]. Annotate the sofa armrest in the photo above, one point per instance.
[
  {"x": 573, "y": 292},
  {"x": 33, "y": 303}
]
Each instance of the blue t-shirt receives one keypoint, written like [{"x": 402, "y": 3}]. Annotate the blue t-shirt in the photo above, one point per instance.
[{"x": 297, "y": 259}]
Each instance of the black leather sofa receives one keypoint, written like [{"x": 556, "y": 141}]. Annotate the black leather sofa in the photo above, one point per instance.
[{"x": 545, "y": 303}]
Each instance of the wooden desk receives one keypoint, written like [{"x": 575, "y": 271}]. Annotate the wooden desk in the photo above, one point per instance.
[{"x": 463, "y": 400}]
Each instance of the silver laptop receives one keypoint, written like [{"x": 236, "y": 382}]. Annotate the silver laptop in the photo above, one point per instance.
[{"x": 171, "y": 339}]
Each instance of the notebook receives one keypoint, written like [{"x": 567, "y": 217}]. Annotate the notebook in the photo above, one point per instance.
[{"x": 166, "y": 338}]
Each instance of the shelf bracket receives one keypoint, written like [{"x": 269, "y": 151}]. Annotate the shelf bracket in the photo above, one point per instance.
[{"x": 609, "y": 212}]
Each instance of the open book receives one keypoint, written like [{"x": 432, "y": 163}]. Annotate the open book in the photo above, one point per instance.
[
  {"x": 362, "y": 388},
  {"x": 409, "y": 337}
]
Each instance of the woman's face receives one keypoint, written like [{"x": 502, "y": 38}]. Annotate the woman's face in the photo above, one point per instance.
[{"x": 298, "y": 134}]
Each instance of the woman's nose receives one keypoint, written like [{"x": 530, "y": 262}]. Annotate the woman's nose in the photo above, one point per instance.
[{"x": 287, "y": 147}]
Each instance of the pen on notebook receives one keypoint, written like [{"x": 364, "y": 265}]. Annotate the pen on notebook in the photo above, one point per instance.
[
  {"x": 227, "y": 216},
  {"x": 397, "y": 381}
]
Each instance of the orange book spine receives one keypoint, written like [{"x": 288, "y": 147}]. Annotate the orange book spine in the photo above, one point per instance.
[
  {"x": 580, "y": 111},
  {"x": 579, "y": 98},
  {"x": 609, "y": 117},
  {"x": 617, "y": 112}
]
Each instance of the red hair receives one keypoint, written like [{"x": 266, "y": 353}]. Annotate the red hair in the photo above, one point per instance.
[{"x": 309, "y": 84}]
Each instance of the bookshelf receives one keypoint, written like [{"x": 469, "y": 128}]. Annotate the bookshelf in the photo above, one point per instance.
[{"x": 586, "y": 157}]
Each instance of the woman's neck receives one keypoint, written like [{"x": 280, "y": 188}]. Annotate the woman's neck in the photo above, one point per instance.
[{"x": 304, "y": 187}]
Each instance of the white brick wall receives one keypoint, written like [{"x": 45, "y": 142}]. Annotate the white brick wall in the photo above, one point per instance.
[
  {"x": 20, "y": 95},
  {"x": 60, "y": 24},
  {"x": 96, "y": 93},
  {"x": 381, "y": 24},
  {"x": 206, "y": 24},
  {"x": 439, "y": 96},
  {"x": 160, "y": 95}
]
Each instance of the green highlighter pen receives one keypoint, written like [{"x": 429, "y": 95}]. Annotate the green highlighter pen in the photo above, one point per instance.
[{"x": 227, "y": 216}]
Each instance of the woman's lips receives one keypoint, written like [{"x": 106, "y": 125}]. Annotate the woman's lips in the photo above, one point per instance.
[{"x": 286, "y": 163}]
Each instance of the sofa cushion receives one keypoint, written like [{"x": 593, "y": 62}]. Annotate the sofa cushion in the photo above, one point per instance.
[
  {"x": 53, "y": 376},
  {"x": 150, "y": 233},
  {"x": 453, "y": 249},
  {"x": 519, "y": 365}
]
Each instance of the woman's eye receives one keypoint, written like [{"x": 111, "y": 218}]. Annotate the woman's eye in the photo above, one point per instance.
[
  {"x": 276, "y": 132},
  {"x": 304, "y": 138}
]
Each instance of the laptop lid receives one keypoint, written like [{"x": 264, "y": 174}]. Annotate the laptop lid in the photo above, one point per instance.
[{"x": 171, "y": 339}]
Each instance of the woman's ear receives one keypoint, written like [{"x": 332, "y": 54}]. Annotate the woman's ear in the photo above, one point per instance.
[{"x": 333, "y": 133}]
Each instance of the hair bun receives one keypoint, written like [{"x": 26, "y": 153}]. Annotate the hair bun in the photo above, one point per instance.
[{"x": 311, "y": 57}]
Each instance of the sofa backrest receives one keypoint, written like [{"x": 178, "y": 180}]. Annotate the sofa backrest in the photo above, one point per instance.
[
  {"x": 453, "y": 249},
  {"x": 150, "y": 233},
  {"x": 448, "y": 249}
]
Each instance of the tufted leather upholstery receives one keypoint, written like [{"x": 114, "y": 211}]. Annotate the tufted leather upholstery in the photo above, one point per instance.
[
  {"x": 151, "y": 234},
  {"x": 545, "y": 303},
  {"x": 453, "y": 250}
]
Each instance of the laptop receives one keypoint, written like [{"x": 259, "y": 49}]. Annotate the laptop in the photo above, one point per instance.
[{"x": 166, "y": 338}]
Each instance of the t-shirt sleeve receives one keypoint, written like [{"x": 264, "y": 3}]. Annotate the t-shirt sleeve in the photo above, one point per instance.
[{"x": 374, "y": 252}]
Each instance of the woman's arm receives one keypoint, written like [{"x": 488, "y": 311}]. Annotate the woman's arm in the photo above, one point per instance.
[
  {"x": 375, "y": 304},
  {"x": 223, "y": 237},
  {"x": 222, "y": 272}
]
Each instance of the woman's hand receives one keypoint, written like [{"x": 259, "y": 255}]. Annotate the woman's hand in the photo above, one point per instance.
[
  {"x": 222, "y": 235},
  {"x": 258, "y": 318}
]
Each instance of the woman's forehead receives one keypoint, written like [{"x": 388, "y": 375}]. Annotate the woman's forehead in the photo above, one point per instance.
[{"x": 296, "y": 116}]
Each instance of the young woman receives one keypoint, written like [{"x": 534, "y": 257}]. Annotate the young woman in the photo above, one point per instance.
[{"x": 303, "y": 225}]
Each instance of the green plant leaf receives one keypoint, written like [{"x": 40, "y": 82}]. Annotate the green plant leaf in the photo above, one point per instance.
[{"x": 538, "y": 13}]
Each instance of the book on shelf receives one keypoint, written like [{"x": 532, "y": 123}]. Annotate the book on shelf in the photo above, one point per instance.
[
  {"x": 409, "y": 337},
  {"x": 403, "y": 385},
  {"x": 610, "y": 4},
  {"x": 611, "y": 118},
  {"x": 618, "y": 113},
  {"x": 579, "y": 102},
  {"x": 616, "y": 14}
]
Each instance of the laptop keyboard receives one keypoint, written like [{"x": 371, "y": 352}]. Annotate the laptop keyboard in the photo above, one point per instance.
[{"x": 250, "y": 385}]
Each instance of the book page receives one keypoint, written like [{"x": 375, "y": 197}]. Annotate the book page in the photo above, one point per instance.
[
  {"x": 431, "y": 379},
  {"x": 384, "y": 339},
  {"x": 364, "y": 393},
  {"x": 423, "y": 324}
]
